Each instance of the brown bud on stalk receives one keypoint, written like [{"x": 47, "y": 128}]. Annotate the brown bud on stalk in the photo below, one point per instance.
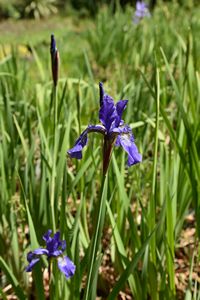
[{"x": 54, "y": 60}]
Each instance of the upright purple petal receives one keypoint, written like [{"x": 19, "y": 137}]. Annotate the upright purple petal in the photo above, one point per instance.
[
  {"x": 66, "y": 266},
  {"x": 140, "y": 5},
  {"x": 141, "y": 10},
  {"x": 126, "y": 140},
  {"x": 120, "y": 106},
  {"x": 81, "y": 142},
  {"x": 53, "y": 245},
  {"x": 107, "y": 112},
  {"x": 47, "y": 235}
]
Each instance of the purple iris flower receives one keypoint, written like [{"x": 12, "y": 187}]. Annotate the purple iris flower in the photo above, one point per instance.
[
  {"x": 113, "y": 129},
  {"x": 142, "y": 11},
  {"x": 54, "y": 249}
]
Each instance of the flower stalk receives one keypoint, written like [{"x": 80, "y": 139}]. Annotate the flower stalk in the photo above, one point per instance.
[
  {"x": 55, "y": 66},
  {"x": 114, "y": 132},
  {"x": 96, "y": 240}
]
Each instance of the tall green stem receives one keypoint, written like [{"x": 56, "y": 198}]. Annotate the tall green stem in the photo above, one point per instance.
[
  {"x": 96, "y": 239},
  {"x": 152, "y": 221},
  {"x": 53, "y": 176}
]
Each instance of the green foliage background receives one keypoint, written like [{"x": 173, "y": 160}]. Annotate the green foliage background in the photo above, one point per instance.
[{"x": 155, "y": 65}]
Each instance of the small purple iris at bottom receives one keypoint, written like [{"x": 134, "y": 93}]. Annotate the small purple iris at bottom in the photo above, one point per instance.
[{"x": 54, "y": 249}]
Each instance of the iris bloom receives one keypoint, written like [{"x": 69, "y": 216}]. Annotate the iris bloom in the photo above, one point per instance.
[
  {"x": 113, "y": 129},
  {"x": 54, "y": 60},
  {"x": 54, "y": 249},
  {"x": 142, "y": 11}
]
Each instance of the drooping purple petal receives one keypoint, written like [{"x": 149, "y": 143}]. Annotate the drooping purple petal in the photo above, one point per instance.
[
  {"x": 32, "y": 264},
  {"x": 30, "y": 256},
  {"x": 107, "y": 112},
  {"x": 126, "y": 140},
  {"x": 66, "y": 266},
  {"x": 76, "y": 151},
  {"x": 81, "y": 142},
  {"x": 120, "y": 106},
  {"x": 40, "y": 251}
]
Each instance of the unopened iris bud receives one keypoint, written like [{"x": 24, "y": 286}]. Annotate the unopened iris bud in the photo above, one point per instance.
[
  {"x": 101, "y": 93},
  {"x": 54, "y": 60}
]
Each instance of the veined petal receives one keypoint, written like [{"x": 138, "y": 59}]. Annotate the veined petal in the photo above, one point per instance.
[
  {"x": 66, "y": 266},
  {"x": 76, "y": 151},
  {"x": 32, "y": 263},
  {"x": 126, "y": 140},
  {"x": 120, "y": 106},
  {"x": 107, "y": 112}
]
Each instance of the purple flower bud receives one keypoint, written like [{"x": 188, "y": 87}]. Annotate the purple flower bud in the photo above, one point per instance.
[{"x": 54, "y": 60}]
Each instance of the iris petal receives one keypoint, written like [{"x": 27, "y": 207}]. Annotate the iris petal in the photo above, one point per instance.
[
  {"x": 56, "y": 253},
  {"x": 32, "y": 263},
  {"x": 126, "y": 140},
  {"x": 81, "y": 142},
  {"x": 40, "y": 251},
  {"x": 55, "y": 243},
  {"x": 46, "y": 236},
  {"x": 66, "y": 266},
  {"x": 120, "y": 106},
  {"x": 112, "y": 128},
  {"x": 107, "y": 112}
]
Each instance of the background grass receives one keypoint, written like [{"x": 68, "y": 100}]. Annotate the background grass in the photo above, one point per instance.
[{"x": 155, "y": 65}]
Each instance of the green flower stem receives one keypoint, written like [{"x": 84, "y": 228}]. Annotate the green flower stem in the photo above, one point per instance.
[
  {"x": 96, "y": 239},
  {"x": 53, "y": 177}
]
